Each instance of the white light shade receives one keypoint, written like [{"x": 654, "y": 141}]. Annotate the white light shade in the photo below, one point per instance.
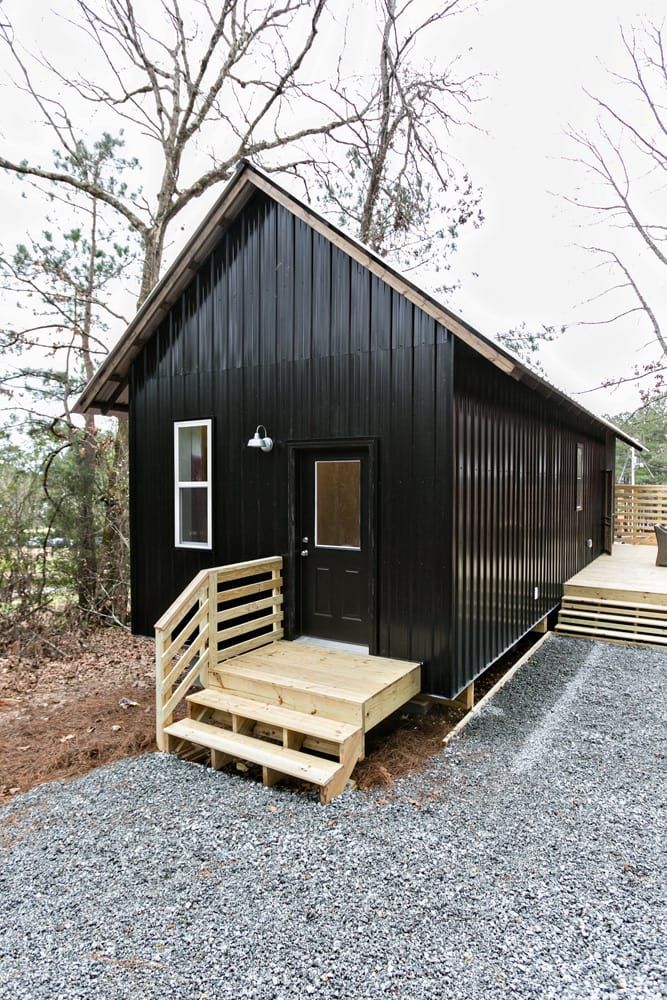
[{"x": 263, "y": 442}]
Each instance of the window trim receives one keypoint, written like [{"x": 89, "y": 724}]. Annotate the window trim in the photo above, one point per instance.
[
  {"x": 579, "y": 479},
  {"x": 183, "y": 484}
]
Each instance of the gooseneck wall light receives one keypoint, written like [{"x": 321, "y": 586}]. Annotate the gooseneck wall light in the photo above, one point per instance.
[{"x": 261, "y": 441}]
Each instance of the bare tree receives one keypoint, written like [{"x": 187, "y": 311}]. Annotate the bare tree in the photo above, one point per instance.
[
  {"x": 398, "y": 186},
  {"x": 204, "y": 83},
  {"x": 233, "y": 65},
  {"x": 526, "y": 342},
  {"x": 625, "y": 158}
]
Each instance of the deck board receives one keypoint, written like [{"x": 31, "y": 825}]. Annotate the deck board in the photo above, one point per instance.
[
  {"x": 358, "y": 672},
  {"x": 353, "y": 687},
  {"x": 629, "y": 574}
]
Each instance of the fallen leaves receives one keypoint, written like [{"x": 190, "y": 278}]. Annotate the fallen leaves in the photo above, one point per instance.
[{"x": 71, "y": 714}]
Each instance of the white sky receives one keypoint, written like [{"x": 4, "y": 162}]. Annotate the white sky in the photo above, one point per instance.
[
  {"x": 523, "y": 264},
  {"x": 543, "y": 55}
]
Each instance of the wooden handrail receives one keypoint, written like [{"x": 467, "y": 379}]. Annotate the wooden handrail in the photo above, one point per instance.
[
  {"x": 637, "y": 509},
  {"x": 183, "y": 599},
  {"x": 204, "y": 624}
]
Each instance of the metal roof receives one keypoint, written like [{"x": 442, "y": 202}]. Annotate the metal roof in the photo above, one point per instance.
[{"x": 107, "y": 390}]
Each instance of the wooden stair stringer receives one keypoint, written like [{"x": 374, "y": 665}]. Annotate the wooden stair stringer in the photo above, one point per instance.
[{"x": 248, "y": 720}]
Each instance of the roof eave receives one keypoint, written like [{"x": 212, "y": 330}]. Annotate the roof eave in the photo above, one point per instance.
[{"x": 246, "y": 179}]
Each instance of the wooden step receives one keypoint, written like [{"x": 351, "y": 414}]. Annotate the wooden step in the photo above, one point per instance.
[
  {"x": 297, "y": 694},
  {"x": 645, "y": 597},
  {"x": 275, "y": 715},
  {"x": 630, "y": 621},
  {"x": 593, "y": 630},
  {"x": 294, "y": 763},
  {"x": 570, "y": 600}
]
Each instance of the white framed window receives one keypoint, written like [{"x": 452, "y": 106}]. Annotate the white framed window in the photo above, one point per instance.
[
  {"x": 580, "y": 476},
  {"x": 193, "y": 506}
]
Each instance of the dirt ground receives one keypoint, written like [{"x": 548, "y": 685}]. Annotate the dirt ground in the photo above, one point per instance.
[{"x": 74, "y": 697}]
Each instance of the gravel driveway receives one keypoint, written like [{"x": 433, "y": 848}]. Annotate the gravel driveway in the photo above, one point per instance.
[{"x": 528, "y": 861}]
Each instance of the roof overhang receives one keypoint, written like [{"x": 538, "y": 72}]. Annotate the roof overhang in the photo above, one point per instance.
[{"x": 107, "y": 391}]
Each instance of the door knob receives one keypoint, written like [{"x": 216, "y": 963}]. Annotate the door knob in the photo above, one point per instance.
[
  {"x": 304, "y": 552},
  {"x": 305, "y": 540}
]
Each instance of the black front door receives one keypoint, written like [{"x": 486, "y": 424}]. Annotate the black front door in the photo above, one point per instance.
[{"x": 333, "y": 546}]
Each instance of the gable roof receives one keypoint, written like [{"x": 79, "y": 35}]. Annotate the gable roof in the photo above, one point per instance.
[{"x": 107, "y": 391}]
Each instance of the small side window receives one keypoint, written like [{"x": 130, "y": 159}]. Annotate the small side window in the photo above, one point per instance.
[
  {"x": 192, "y": 483},
  {"x": 580, "y": 477}
]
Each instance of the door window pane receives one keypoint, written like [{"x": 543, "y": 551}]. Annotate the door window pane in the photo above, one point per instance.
[
  {"x": 338, "y": 504},
  {"x": 192, "y": 454}
]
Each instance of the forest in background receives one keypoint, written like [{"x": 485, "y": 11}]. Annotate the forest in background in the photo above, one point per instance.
[{"x": 372, "y": 150}]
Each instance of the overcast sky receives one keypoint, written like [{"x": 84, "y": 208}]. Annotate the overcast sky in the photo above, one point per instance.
[
  {"x": 523, "y": 264},
  {"x": 543, "y": 56}
]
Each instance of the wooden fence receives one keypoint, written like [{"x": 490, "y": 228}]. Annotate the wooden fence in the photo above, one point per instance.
[
  {"x": 223, "y": 612},
  {"x": 638, "y": 509}
]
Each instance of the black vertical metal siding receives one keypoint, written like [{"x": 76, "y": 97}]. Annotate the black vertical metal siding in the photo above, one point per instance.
[
  {"x": 516, "y": 526},
  {"x": 283, "y": 328},
  {"x": 476, "y": 472}
]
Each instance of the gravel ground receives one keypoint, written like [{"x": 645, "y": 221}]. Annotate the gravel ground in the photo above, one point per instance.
[{"x": 527, "y": 861}]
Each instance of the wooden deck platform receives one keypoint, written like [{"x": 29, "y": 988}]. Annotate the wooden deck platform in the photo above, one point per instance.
[
  {"x": 618, "y": 598},
  {"x": 300, "y": 710},
  {"x": 630, "y": 574},
  {"x": 317, "y": 680}
]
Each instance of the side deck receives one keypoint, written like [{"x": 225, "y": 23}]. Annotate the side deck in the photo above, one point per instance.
[
  {"x": 629, "y": 574},
  {"x": 618, "y": 598}
]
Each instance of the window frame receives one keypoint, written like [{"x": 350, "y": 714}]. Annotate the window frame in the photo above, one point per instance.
[
  {"x": 579, "y": 478},
  {"x": 184, "y": 484}
]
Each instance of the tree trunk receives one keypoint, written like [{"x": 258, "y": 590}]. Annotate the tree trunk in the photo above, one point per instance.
[
  {"x": 153, "y": 250},
  {"x": 379, "y": 158},
  {"x": 114, "y": 597},
  {"x": 86, "y": 563}
]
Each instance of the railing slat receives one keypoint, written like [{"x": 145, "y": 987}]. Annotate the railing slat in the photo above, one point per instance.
[
  {"x": 175, "y": 610},
  {"x": 251, "y": 626},
  {"x": 249, "y": 608},
  {"x": 235, "y": 593},
  {"x": 637, "y": 509},
  {"x": 209, "y": 607},
  {"x": 245, "y": 647},
  {"x": 193, "y": 650},
  {"x": 182, "y": 689},
  {"x": 186, "y": 632}
]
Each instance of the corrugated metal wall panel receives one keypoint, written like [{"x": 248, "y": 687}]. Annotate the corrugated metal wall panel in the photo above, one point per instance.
[
  {"x": 516, "y": 526},
  {"x": 476, "y": 471},
  {"x": 282, "y": 328}
]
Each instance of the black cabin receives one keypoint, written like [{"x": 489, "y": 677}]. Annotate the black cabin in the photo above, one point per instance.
[{"x": 289, "y": 393}]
